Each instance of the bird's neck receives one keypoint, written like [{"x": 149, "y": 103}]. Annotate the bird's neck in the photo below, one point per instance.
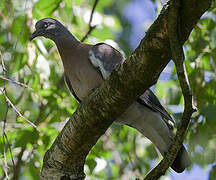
[
  {"x": 66, "y": 42},
  {"x": 65, "y": 39}
]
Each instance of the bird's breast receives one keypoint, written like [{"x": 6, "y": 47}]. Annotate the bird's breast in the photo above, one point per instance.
[
  {"x": 84, "y": 80},
  {"x": 78, "y": 87}
]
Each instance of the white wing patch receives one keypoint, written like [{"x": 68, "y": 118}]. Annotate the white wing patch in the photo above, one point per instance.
[{"x": 98, "y": 64}]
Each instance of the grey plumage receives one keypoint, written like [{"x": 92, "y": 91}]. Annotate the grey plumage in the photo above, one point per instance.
[
  {"x": 87, "y": 66},
  {"x": 105, "y": 58}
]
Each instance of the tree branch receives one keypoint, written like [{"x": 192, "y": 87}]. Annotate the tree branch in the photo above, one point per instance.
[
  {"x": 4, "y": 134},
  {"x": 91, "y": 28},
  {"x": 179, "y": 59},
  {"x": 141, "y": 70},
  {"x": 15, "y": 82}
]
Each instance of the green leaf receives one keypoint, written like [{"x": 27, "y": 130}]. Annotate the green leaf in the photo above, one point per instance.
[
  {"x": 45, "y": 92},
  {"x": 91, "y": 164},
  {"x": 169, "y": 91},
  {"x": 46, "y": 140},
  {"x": 27, "y": 136},
  {"x": 45, "y": 8},
  {"x": 206, "y": 61},
  {"x": 20, "y": 30},
  {"x": 78, "y": 2},
  {"x": 212, "y": 173},
  {"x": 102, "y": 34},
  {"x": 33, "y": 170}
]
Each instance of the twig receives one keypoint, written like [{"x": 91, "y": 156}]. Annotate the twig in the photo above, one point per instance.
[
  {"x": 4, "y": 92},
  {"x": 4, "y": 123},
  {"x": 179, "y": 59},
  {"x": 92, "y": 12},
  {"x": 17, "y": 111},
  {"x": 91, "y": 28},
  {"x": 3, "y": 64},
  {"x": 15, "y": 82},
  {"x": 4, "y": 148},
  {"x": 4, "y": 70},
  {"x": 5, "y": 166},
  {"x": 19, "y": 163},
  {"x": 11, "y": 154},
  {"x": 5, "y": 119},
  {"x": 7, "y": 98}
]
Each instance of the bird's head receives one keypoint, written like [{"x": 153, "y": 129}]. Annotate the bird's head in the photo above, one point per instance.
[{"x": 49, "y": 28}]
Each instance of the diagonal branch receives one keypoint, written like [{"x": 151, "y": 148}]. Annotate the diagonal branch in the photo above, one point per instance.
[
  {"x": 4, "y": 92},
  {"x": 15, "y": 82},
  {"x": 66, "y": 157},
  {"x": 17, "y": 111},
  {"x": 92, "y": 12}
]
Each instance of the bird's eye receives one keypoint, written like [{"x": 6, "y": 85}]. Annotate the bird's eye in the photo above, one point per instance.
[{"x": 45, "y": 25}]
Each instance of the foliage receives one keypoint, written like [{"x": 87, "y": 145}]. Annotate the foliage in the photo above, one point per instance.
[{"x": 47, "y": 103}]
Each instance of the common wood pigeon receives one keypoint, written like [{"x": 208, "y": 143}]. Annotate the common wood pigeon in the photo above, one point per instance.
[{"x": 87, "y": 66}]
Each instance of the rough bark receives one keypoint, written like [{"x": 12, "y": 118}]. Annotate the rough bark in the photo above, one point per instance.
[{"x": 67, "y": 155}]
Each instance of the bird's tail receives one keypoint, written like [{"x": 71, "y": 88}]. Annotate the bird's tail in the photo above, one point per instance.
[{"x": 181, "y": 161}]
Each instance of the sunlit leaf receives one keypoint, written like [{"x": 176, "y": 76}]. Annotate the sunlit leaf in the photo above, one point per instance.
[{"x": 44, "y": 9}]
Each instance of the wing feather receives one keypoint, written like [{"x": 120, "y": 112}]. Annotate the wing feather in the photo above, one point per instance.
[
  {"x": 149, "y": 100},
  {"x": 106, "y": 58}
]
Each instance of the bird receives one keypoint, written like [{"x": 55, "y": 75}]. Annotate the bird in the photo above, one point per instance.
[{"x": 86, "y": 66}]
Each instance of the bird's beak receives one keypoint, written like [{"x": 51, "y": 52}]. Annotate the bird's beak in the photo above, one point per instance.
[{"x": 38, "y": 32}]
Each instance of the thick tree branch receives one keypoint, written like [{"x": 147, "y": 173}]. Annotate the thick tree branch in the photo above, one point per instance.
[{"x": 67, "y": 155}]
